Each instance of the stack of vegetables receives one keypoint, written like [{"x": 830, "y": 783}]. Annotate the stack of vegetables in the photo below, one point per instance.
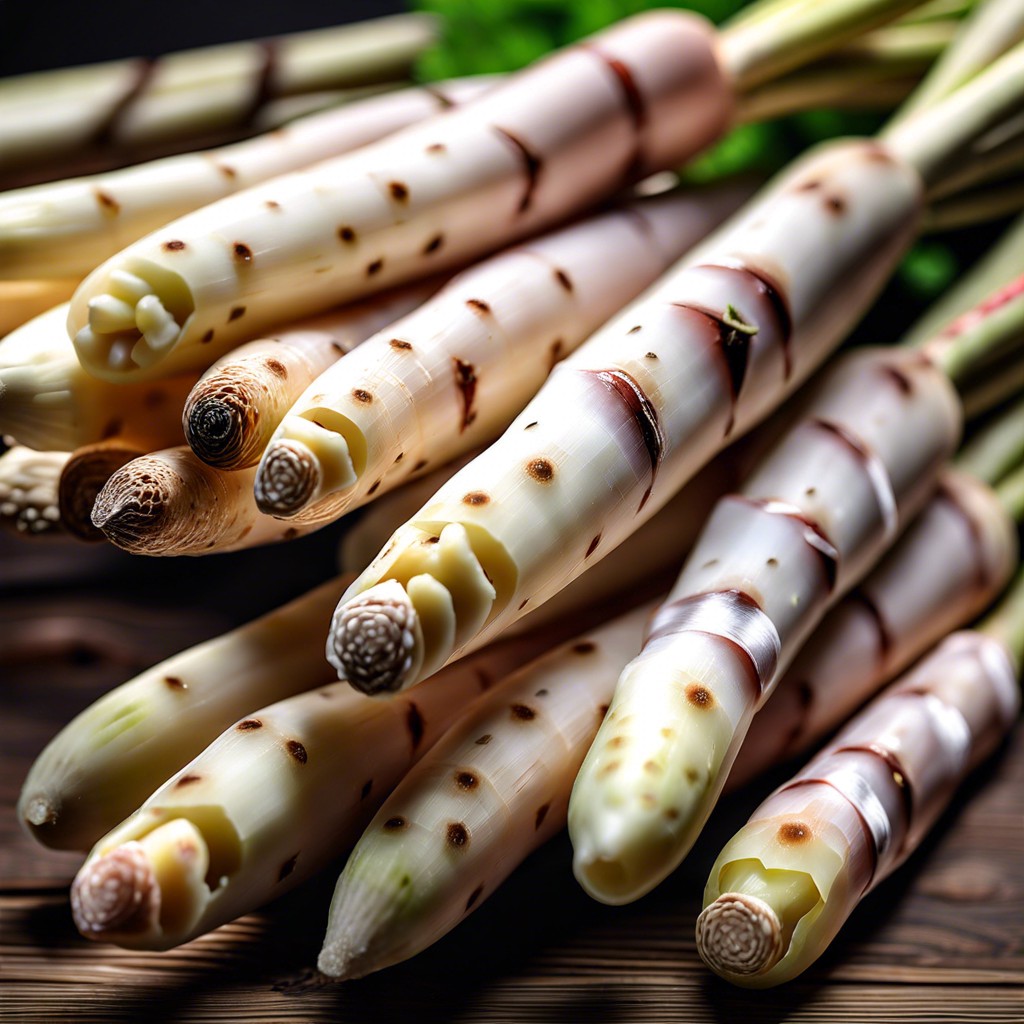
[{"x": 263, "y": 337}]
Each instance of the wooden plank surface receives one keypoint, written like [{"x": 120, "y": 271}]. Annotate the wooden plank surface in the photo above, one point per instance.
[{"x": 943, "y": 940}]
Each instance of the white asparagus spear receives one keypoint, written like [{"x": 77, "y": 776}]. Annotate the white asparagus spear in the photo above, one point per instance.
[
  {"x": 948, "y": 566},
  {"x": 47, "y": 401},
  {"x": 236, "y": 405},
  {"x": 66, "y": 228},
  {"x": 642, "y": 95},
  {"x": 815, "y": 515},
  {"x": 451, "y": 375},
  {"x": 490, "y": 791},
  {"x": 135, "y": 102},
  {"x": 783, "y": 886},
  {"x": 697, "y": 360},
  {"x": 20, "y": 301},
  {"x": 28, "y": 490}
]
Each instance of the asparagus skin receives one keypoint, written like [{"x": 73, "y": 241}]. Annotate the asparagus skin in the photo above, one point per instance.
[
  {"x": 658, "y": 391},
  {"x": 82, "y": 478},
  {"x": 488, "y": 793},
  {"x": 233, "y": 410},
  {"x": 47, "y": 401},
  {"x": 948, "y": 566},
  {"x": 20, "y": 301},
  {"x": 453, "y": 374},
  {"x": 784, "y": 884},
  {"x": 28, "y": 490},
  {"x": 121, "y": 105},
  {"x": 640, "y": 96},
  {"x": 66, "y": 228}
]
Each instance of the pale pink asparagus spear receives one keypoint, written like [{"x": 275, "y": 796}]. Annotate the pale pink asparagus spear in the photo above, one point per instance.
[
  {"x": 653, "y": 396},
  {"x": 452, "y": 374},
  {"x": 786, "y": 882}
]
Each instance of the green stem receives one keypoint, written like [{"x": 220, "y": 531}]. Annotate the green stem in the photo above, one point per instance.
[
  {"x": 997, "y": 448},
  {"x": 998, "y": 160},
  {"x": 1011, "y": 493},
  {"x": 999, "y": 384},
  {"x": 987, "y": 202},
  {"x": 1006, "y": 621},
  {"x": 766, "y": 46},
  {"x": 938, "y": 10}
]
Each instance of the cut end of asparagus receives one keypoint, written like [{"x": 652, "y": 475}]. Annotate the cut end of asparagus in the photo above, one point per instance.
[
  {"x": 343, "y": 961},
  {"x": 134, "y": 502},
  {"x": 39, "y": 810},
  {"x": 739, "y": 936},
  {"x": 220, "y": 430},
  {"x": 84, "y": 476},
  {"x": 117, "y": 892},
  {"x": 374, "y": 639},
  {"x": 289, "y": 478}
]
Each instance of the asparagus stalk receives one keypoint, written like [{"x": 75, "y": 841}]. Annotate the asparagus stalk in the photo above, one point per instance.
[
  {"x": 451, "y": 375},
  {"x": 643, "y": 95},
  {"x": 489, "y": 792},
  {"x": 784, "y": 884},
  {"x": 68, "y": 227},
  {"x": 239, "y": 401},
  {"x": 47, "y": 401},
  {"x": 698, "y": 360},
  {"x": 948, "y": 566},
  {"x": 28, "y": 490},
  {"x": 127, "y": 104},
  {"x": 82, "y": 478},
  {"x": 996, "y": 448},
  {"x": 20, "y": 301}
]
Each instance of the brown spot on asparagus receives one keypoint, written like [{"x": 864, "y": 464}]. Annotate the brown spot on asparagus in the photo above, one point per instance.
[
  {"x": 635, "y": 330},
  {"x": 772, "y": 563},
  {"x": 593, "y": 546},
  {"x": 522, "y": 713},
  {"x": 207, "y": 337},
  {"x": 668, "y": 733},
  {"x": 478, "y": 306},
  {"x": 584, "y": 647},
  {"x": 523, "y": 603},
  {"x": 530, "y": 426},
  {"x": 175, "y": 683},
  {"x": 532, "y": 166},
  {"x": 611, "y": 767},
  {"x": 650, "y": 355},
  {"x": 563, "y": 279},
  {"x": 473, "y": 897},
  {"x": 399, "y": 345},
  {"x": 365, "y": 791},
  {"x": 555, "y": 353},
  {"x": 287, "y": 479},
  {"x": 107, "y": 202},
  {"x": 297, "y": 750},
  {"x": 897, "y": 377},
  {"x": 700, "y": 696},
  {"x": 627, "y": 83},
  {"x": 236, "y": 313},
  {"x": 602, "y": 710},
  {"x": 249, "y": 724},
  {"x": 542, "y": 813},
  {"x": 290, "y": 534},
  {"x": 465, "y": 384},
  {"x": 835, "y": 204},
  {"x": 476, "y": 498},
  {"x": 482, "y": 741},
  {"x": 792, "y": 833},
  {"x": 399, "y": 191},
  {"x": 374, "y": 267},
  {"x": 805, "y": 694},
  {"x": 420, "y": 464},
  {"x": 811, "y": 492},
  {"x": 187, "y": 780},
  {"x": 116, "y": 891},
  {"x": 616, "y": 742},
  {"x": 272, "y": 204},
  {"x": 457, "y": 835},
  {"x": 372, "y": 489},
  {"x": 541, "y": 693},
  {"x": 242, "y": 252},
  {"x": 809, "y": 186},
  {"x": 433, "y": 245},
  {"x": 466, "y": 780},
  {"x": 277, "y": 368},
  {"x": 414, "y": 723},
  {"x": 112, "y": 429},
  {"x": 437, "y": 147},
  {"x": 287, "y": 867},
  {"x": 395, "y": 824},
  {"x": 228, "y": 171},
  {"x": 174, "y": 245},
  {"x": 710, "y": 563},
  {"x": 346, "y": 234},
  {"x": 540, "y": 470},
  {"x": 641, "y": 411},
  {"x": 361, "y": 396},
  {"x": 691, "y": 773}
]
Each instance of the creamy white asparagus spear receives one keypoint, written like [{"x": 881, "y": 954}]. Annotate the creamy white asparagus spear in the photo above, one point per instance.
[
  {"x": 692, "y": 364},
  {"x": 136, "y": 102},
  {"x": 452, "y": 374},
  {"x": 814, "y": 516},
  {"x": 948, "y": 566},
  {"x": 49, "y": 402},
  {"x": 28, "y": 490},
  {"x": 66, "y": 228},
  {"x": 20, "y": 301},
  {"x": 783, "y": 886},
  {"x": 552, "y": 140},
  {"x": 236, "y": 405},
  {"x": 490, "y": 791},
  {"x": 268, "y": 803}
]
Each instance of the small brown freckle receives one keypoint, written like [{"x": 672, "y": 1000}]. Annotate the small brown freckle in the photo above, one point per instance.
[
  {"x": 794, "y": 832},
  {"x": 207, "y": 337},
  {"x": 375, "y": 267},
  {"x": 610, "y": 767},
  {"x": 710, "y": 563},
  {"x": 475, "y": 498},
  {"x": 187, "y": 780},
  {"x": 653, "y": 768},
  {"x": 365, "y": 791},
  {"x": 563, "y": 279},
  {"x": 112, "y": 429},
  {"x": 700, "y": 696},
  {"x": 542, "y": 813},
  {"x": 482, "y": 741},
  {"x": 246, "y": 531},
  {"x": 466, "y": 780},
  {"x": 692, "y": 775},
  {"x": 473, "y": 897},
  {"x": 835, "y": 204},
  {"x": 540, "y": 470},
  {"x": 433, "y": 245},
  {"x": 602, "y": 710},
  {"x": 405, "y": 882},
  {"x": 297, "y": 750},
  {"x": 436, "y": 147},
  {"x": 175, "y": 683},
  {"x": 457, "y": 835},
  {"x": 584, "y": 647},
  {"x": 242, "y": 252},
  {"x": 338, "y": 348},
  {"x": 398, "y": 343},
  {"x": 541, "y": 693},
  {"x": 668, "y": 733},
  {"x": 248, "y": 724},
  {"x": 811, "y": 492},
  {"x": 530, "y": 426},
  {"x": 420, "y": 464},
  {"x": 108, "y": 202},
  {"x": 671, "y": 814},
  {"x": 372, "y": 489},
  {"x": 272, "y": 204},
  {"x": 399, "y": 457},
  {"x": 227, "y": 170},
  {"x": 277, "y": 368},
  {"x": 174, "y": 245},
  {"x": 523, "y": 603},
  {"x": 236, "y": 312},
  {"x": 593, "y": 546},
  {"x": 347, "y": 234},
  {"x": 809, "y": 186},
  {"x": 772, "y": 562},
  {"x": 395, "y": 823},
  {"x": 616, "y": 741},
  {"x": 479, "y": 305},
  {"x": 399, "y": 192},
  {"x": 523, "y": 713},
  {"x": 635, "y": 330},
  {"x": 154, "y": 399},
  {"x": 290, "y": 534},
  {"x": 287, "y": 867},
  {"x": 362, "y": 396},
  {"x": 326, "y": 694}
]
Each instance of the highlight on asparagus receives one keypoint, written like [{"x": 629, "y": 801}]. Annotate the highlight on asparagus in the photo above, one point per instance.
[
  {"x": 697, "y": 361},
  {"x": 28, "y": 490},
  {"x": 20, "y": 301},
  {"x": 236, "y": 405},
  {"x": 783, "y": 886},
  {"x": 641, "y": 96},
  {"x": 489, "y": 792},
  {"x": 452, "y": 374}
]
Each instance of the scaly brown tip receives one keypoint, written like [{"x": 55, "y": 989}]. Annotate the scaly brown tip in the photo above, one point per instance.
[
  {"x": 287, "y": 479},
  {"x": 220, "y": 424},
  {"x": 84, "y": 475},
  {"x": 115, "y": 892},
  {"x": 739, "y": 935}
]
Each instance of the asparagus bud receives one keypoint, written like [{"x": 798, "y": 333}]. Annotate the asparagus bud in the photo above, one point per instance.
[
  {"x": 453, "y": 373},
  {"x": 653, "y": 395},
  {"x": 785, "y": 883},
  {"x": 238, "y": 402},
  {"x": 493, "y": 789},
  {"x": 28, "y": 490},
  {"x": 810, "y": 521},
  {"x": 643, "y": 95}
]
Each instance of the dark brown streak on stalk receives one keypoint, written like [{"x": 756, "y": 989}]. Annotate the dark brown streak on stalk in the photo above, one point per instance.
[
  {"x": 465, "y": 384},
  {"x": 854, "y": 443},
  {"x": 532, "y": 165},
  {"x": 903, "y": 383},
  {"x": 634, "y": 100},
  {"x": 106, "y": 130},
  {"x": 264, "y": 90},
  {"x": 882, "y": 630}
]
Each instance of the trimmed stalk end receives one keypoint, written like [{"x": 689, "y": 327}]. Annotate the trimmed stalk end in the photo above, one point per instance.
[
  {"x": 289, "y": 478},
  {"x": 117, "y": 892},
  {"x": 39, "y": 811},
  {"x": 739, "y": 936},
  {"x": 217, "y": 428},
  {"x": 342, "y": 961}
]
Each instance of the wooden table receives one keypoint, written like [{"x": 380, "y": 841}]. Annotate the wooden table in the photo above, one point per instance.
[{"x": 943, "y": 940}]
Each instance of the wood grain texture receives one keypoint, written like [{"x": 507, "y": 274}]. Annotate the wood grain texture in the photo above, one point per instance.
[{"x": 943, "y": 940}]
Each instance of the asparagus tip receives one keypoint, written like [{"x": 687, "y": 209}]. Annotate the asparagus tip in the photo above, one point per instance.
[
  {"x": 40, "y": 810},
  {"x": 342, "y": 961},
  {"x": 739, "y": 935},
  {"x": 373, "y": 637},
  {"x": 117, "y": 891},
  {"x": 287, "y": 479}
]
